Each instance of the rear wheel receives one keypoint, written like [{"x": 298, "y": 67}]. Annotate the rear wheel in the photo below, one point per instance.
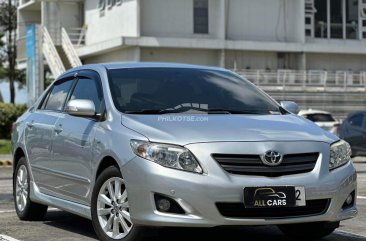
[
  {"x": 312, "y": 231},
  {"x": 110, "y": 208},
  {"x": 25, "y": 208}
]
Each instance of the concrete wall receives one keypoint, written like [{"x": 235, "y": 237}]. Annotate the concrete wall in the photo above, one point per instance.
[
  {"x": 264, "y": 20},
  {"x": 120, "y": 20},
  {"x": 131, "y": 54},
  {"x": 200, "y": 57},
  {"x": 174, "y": 18},
  {"x": 351, "y": 62}
]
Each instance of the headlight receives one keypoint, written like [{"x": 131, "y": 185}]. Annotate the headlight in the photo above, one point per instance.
[
  {"x": 171, "y": 156},
  {"x": 340, "y": 154}
]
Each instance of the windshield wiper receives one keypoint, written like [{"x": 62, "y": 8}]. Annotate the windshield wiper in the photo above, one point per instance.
[
  {"x": 150, "y": 111},
  {"x": 229, "y": 111}
]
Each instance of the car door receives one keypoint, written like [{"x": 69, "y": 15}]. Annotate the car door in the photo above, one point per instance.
[
  {"x": 355, "y": 132},
  {"x": 40, "y": 132},
  {"x": 72, "y": 149}
]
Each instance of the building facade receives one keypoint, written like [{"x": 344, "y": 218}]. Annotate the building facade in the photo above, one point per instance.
[
  {"x": 242, "y": 34},
  {"x": 248, "y": 35}
]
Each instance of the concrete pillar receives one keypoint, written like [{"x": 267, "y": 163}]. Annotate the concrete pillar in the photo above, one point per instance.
[{"x": 222, "y": 58}]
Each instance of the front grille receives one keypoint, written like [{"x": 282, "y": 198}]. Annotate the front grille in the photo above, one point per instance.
[
  {"x": 238, "y": 210},
  {"x": 253, "y": 165}
]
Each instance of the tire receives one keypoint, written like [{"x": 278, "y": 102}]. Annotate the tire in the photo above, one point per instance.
[
  {"x": 24, "y": 207},
  {"x": 117, "y": 211},
  {"x": 309, "y": 231}
]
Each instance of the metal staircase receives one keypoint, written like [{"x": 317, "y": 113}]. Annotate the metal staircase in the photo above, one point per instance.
[
  {"x": 59, "y": 58},
  {"x": 51, "y": 55},
  {"x": 69, "y": 49}
]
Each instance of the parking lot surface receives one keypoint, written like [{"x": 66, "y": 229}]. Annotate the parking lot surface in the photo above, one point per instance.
[{"x": 59, "y": 225}]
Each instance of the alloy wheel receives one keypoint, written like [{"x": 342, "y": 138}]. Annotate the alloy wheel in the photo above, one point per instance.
[
  {"x": 113, "y": 209},
  {"x": 21, "y": 188}
]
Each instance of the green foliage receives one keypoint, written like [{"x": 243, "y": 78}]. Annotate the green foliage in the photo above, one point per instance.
[
  {"x": 9, "y": 113},
  {"x": 5, "y": 147}
]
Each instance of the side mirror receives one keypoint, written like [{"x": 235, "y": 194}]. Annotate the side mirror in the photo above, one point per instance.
[
  {"x": 84, "y": 108},
  {"x": 290, "y": 106}
]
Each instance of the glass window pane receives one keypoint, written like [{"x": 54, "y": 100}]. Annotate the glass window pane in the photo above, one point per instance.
[
  {"x": 356, "y": 120},
  {"x": 88, "y": 89},
  {"x": 58, "y": 95},
  {"x": 321, "y": 19},
  {"x": 352, "y": 19},
  {"x": 200, "y": 15},
  {"x": 336, "y": 21},
  {"x": 165, "y": 88}
]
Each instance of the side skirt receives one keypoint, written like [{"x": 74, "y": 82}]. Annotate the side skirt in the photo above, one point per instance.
[{"x": 75, "y": 208}]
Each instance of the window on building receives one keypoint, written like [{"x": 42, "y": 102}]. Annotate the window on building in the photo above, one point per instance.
[
  {"x": 200, "y": 16},
  {"x": 352, "y": 19},
  {"x": 336, "y": 19}
]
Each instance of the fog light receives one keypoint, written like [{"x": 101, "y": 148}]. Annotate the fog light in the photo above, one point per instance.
[
  {"x": 167, "y": 205},
  {"x": 163, "y": 205},
  {"x": 349, "y": 199}
]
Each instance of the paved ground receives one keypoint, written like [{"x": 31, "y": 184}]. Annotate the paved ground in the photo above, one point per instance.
[{"x": 59, "y": 225}]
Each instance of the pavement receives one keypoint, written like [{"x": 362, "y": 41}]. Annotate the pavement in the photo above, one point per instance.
[{"x": 60, "y": 225}]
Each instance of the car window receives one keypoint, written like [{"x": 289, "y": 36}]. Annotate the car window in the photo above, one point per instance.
[
  {"x": 320, "y": 117},
  {"x": 58, "y": 95},
  {"x": 357, "y": 120},
  {"x": 88, "y": 89},
  {"x": 165, "y": 88}
]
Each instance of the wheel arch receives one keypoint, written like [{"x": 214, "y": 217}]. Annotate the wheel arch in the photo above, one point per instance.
[
  {"x": 19, "y": 153},
  {"x": 106, "y": 162}
]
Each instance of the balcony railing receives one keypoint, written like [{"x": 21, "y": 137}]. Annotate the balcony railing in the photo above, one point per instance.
[{"x": 318, "y": 79}]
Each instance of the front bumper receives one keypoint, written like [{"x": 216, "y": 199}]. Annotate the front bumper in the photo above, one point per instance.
[{"x": 198, "y": 194}]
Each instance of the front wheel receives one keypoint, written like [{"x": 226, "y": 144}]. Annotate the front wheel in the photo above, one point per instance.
[
  {"x": 306, "y": 231},
  {"x": 110, "y": 208}
]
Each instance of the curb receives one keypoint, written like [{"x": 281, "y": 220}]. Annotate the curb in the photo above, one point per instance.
[{"x": 6, "y": 163}]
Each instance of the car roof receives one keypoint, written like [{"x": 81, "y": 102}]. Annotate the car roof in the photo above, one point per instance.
[{"x": 121, "y": 65}]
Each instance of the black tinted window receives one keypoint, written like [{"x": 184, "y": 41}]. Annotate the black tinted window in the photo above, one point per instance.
[
  {"x": 88, "y": 89},
  {"x": 58, "y": 95},
  {"x": 200, "y": 16},
  {"x": 139, "y": 89},
  {"x": 320, "y": 117},
  {"x": 356, "y": 120}
]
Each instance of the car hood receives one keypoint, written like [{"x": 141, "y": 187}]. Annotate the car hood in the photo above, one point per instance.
[{"x": 183, "y": 129}]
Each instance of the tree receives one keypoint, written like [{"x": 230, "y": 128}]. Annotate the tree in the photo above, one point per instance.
[{"x": 8, "y": 26}]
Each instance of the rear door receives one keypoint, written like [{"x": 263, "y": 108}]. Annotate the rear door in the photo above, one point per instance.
[
  {"x": 72, "y": 149},
  {"x": 40, "y": 133}
]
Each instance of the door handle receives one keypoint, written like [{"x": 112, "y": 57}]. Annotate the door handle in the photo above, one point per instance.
[{"x": 58, "y": 129}]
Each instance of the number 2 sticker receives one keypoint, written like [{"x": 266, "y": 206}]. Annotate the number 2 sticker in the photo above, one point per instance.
[{"x": 300, "y": 196}]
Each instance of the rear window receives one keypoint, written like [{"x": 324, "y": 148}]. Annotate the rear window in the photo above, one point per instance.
[
  {"x": 138, "y": 89},
  {"x": 320, "y": 118}
]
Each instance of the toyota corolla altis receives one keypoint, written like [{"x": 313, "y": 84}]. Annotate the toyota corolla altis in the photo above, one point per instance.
[{"x": 150, "y": 144}]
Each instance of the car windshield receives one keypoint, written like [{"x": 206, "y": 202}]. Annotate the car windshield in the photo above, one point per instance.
[
  {"x": 320, "y": 117},
  {"x": 176, "y": 90}
]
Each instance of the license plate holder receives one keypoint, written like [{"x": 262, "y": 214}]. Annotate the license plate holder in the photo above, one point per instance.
[{"x": 274, "y": 197}]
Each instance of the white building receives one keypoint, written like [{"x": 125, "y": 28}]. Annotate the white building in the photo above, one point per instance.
[{"x": 249, "y": 35}]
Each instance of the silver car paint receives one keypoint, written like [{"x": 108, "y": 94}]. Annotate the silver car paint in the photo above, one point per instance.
[{"x": 67, "y": 183}]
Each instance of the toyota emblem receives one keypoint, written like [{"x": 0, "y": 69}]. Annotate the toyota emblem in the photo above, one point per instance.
[{"x": 272, "y": 158}]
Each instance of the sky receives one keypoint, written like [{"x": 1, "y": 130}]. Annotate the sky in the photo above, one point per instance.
[{"x": 20, "y": 96}]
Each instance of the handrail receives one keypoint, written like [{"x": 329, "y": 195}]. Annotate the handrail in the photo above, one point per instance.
[
  {"x": 310, "y": 78},
  {"x": 69, "y": 49},
  {"x": 52, "y": 57}
]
